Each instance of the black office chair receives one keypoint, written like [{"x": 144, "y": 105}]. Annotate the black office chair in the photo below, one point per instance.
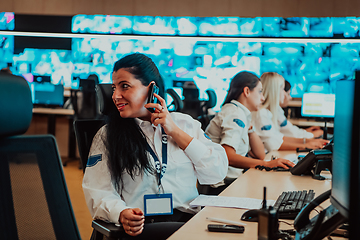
[
  {"x": 176, "y": 104},
  {"x": 194, "y": 107},
  {"x": 191, "y": 102},
  {"x": 84, "y": 100},
  {"x": 205, "y": 116},
  {"x": 85, "y": 130},
  {"x": 34, "y": 201},
  {"x": 85, "y": 105}
]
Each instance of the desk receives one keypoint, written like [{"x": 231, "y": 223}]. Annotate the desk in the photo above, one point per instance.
[
  {"x": 303, "y": 122},
  {"x": 52, "y": 113},
  {"x": 249, "y": 185},
  {"x": 295, "y": 103}
]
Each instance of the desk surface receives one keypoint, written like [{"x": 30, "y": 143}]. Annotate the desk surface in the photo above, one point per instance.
[
  {"x": 53, "y": 111},
  {"x": 295, "y": 103},
  {"x": 303, "y": 122},
  {"x": 249, "y": 185}
]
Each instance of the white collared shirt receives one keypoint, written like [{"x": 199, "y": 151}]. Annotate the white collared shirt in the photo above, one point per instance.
[
  {"x": 269, "y": 134},
  {"x": 288, "y": 129},
  {"x": 202, "y": 160},
  {"x": 230, "y": 126}
]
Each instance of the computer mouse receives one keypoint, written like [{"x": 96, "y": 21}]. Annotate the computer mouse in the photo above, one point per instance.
[
  {"x": 251, "y": 215},
  {"x": 281, "y": 169}
]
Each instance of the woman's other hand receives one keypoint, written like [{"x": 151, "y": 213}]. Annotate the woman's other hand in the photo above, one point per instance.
[{"x": 132, "y": 220}]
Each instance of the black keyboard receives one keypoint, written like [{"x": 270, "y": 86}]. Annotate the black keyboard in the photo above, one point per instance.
[{"x": 290, "y": 203}]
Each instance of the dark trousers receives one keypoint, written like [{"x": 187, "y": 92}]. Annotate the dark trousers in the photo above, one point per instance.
[
  {"x": 162, "y": 227},
  {"x": 218, "y": 190}
]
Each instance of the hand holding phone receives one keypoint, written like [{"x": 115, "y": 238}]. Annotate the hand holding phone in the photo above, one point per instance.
[
  {"x": 225, "y": 228},
  {"x": 151, "y": 98}
]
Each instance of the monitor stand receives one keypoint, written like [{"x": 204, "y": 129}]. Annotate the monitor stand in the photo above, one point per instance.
[{"x": 325, "y": 129}]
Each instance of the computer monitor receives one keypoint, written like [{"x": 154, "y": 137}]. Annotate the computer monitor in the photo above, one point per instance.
[
  {"x": 42, "y": 78},
  {"x": 318, "y": 105},
  {"x": 345, "y": 171},
  {"x": 342, "y": 146},
  {"x": 354, "y": 220},
  {"x": 47, "y": 94}
]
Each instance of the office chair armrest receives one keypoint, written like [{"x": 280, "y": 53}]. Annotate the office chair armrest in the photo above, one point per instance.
[{"x": 108, "y": 229}]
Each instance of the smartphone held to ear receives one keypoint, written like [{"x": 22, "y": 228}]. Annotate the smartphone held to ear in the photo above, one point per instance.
[{"x": 151, "y": 98}]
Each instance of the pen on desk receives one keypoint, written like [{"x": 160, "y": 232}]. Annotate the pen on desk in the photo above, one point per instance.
[{"x": 226, "y": 221}]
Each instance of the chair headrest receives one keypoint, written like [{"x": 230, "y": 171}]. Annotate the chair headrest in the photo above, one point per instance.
[
  {"x": 212, "y": 98},
  {"x": 104, "y": 96},
  {"x": 15, "y": 105},
  {"x": 177, "y": 102}
]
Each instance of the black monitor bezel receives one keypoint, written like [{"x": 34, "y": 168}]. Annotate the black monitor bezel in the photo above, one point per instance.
[{"x": 353, "y": 211}]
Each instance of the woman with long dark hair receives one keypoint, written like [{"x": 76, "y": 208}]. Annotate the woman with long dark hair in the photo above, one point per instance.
[
  {"x": 231, "y": 128},
  {"x": 144, "y": 165}
]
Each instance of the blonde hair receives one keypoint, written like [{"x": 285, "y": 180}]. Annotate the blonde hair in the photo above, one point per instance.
[{"x": 272, "y": 84}]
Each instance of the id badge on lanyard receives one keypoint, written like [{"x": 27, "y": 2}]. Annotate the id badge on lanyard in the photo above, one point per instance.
[{"x": 159, "y": 204}]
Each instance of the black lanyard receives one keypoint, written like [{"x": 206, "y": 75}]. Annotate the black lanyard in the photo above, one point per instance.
[{"x": 160, "y": 173}]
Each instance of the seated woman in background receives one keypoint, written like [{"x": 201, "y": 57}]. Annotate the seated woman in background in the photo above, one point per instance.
[
  {"x": 231, "y": 128},
  {"x": 287, "y": 128},
  {"x": 266, "y": 119},
  {"x": 140, "y": 154}
]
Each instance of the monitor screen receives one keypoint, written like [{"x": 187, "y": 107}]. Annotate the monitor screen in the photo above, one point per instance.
[
  {"x": 7, "y": 21},
  {"x": 102, "y": 24},
  {"x": 320, "y": 27},
  {"x": 318, "y": 105},
  {"x": 342, "y": 145},
  {"x": 47, "y": 94}
]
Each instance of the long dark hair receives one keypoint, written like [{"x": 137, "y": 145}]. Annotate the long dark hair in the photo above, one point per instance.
[
  {"x": 126, "y": 143},
  {"x": 238, "y": 83}
]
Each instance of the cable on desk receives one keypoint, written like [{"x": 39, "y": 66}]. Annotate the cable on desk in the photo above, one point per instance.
[
  {"x": 284, "y": 235},
  {"x": 290, "y": 224}
]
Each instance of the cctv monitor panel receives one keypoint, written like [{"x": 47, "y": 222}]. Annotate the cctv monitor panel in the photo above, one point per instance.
[
  {"x": 318, "y": 105},
  {"x": 47, "y": 94}
]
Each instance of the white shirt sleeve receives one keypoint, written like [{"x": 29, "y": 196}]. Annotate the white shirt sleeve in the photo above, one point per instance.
[
  {"x": 230, "y": 127},
  {"x": 209, "y": 158},
  {"x": 289, "y": 130},
  {"x": 264, "y": 127},
  {"x": 102, "y": 199}
]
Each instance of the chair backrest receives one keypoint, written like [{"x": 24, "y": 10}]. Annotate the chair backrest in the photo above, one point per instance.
[
  {"x": 176, "y": 105},
  {"x": 84, "y": 100},
  {"x": 34, "y": 201},
  {"x": 85, "y": 129},
  {"x": 104, "y": 98},
  {"x": 15, "y": 105},
  {"x": 192, "y": 104},
  {"x": 212, "y": 99},
  {"x": 206, "y": 117}
]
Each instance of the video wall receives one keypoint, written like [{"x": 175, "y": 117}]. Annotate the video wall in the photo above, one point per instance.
[{"x": 208, "y": 51}]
